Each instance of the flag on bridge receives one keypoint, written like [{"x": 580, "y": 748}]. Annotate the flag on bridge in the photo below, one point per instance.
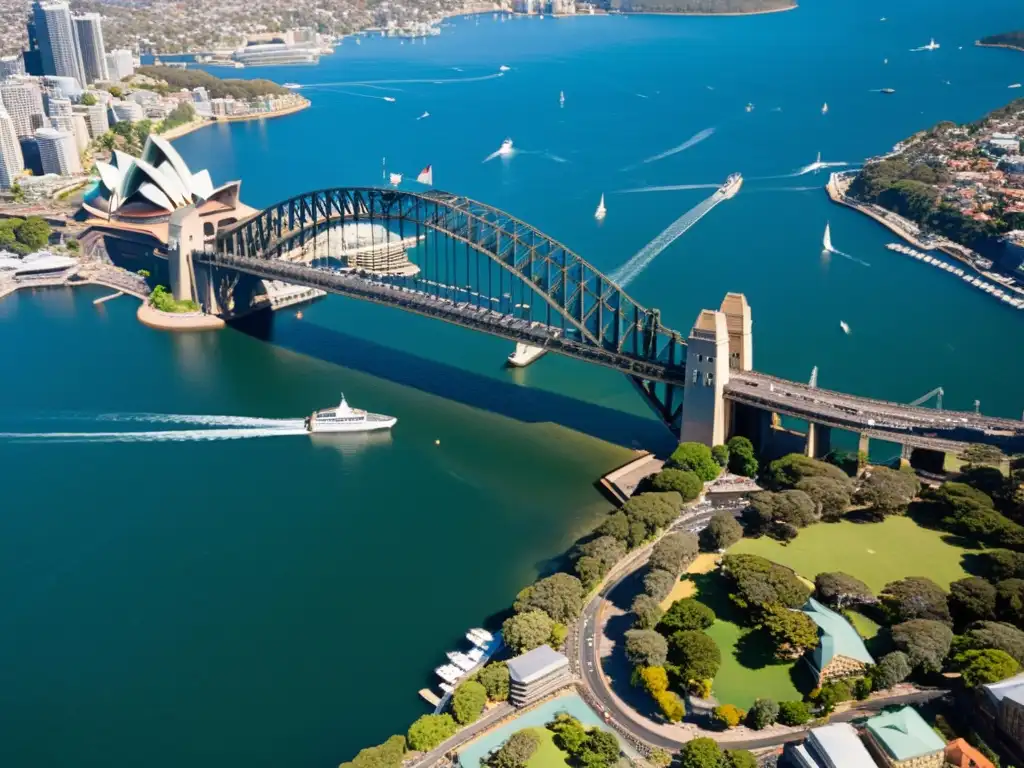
[{"x": 426, "y": 176}]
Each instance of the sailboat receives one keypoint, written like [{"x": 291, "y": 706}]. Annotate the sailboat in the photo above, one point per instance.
[
  {"x": 845, "y": 327},
  {"x": 824, "y": 108},
  {"x": 826, "y": 241},
  {"x": 561, "y": 98},
  {"x": 601, "y": 211}
]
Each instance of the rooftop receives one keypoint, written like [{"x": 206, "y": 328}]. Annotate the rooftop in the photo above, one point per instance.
[
  {"x": 535, "y": 664},
  {"x": 963, "y": 755},
  {"x": 1011, "y": 688},
  {"x": 841, "y": 745},
  {"x": 837, "y": 636},
  {"x": 904, "y": 734}
]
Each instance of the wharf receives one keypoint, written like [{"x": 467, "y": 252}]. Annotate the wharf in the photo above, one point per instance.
[{"x": 622, "y": 483}]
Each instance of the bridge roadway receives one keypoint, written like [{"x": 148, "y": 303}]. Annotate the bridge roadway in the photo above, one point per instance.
[
  {"x": 912, "y": 425},
  {"x": 361, "y": 285}
]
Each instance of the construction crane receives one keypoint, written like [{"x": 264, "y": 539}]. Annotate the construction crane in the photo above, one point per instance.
[{"x": 937, "y": 393}]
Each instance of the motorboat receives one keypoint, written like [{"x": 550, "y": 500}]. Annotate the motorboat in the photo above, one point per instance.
[
  {"x": 449, "y": 673},
  {"x": 506, "y": 148},
  {"x": 601, "y": 211},
  {"x": 343, "y": 418},
  {"x": 461, "y": 660},
  {"x": 845, "y": 327}
]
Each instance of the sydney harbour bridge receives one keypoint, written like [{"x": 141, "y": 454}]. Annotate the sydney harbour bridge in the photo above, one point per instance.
[{"x": 448, "y": 257}]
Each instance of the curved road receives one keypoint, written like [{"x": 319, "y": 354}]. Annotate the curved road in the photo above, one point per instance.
[{"x": 588, "y": 661}]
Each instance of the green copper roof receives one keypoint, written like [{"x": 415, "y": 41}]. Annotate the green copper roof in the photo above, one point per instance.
[
  {"x": 837, "y": 636},
  {"x": 904, "y": 734}
]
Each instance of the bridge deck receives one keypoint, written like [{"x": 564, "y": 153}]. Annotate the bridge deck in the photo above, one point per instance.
[{"x": 371, "y": 288}]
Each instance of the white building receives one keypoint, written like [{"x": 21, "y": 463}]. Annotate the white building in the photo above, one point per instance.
[
  {"x": 80, "y": 130},
  {"x": 12, "y": 162},
  {"x": 200, "y": 94},
  {"x": 120, "y": 65},
  {"x": 128, "y": 110},
  {"x": 58, "y": 41},
  {"x": 95, "y": 118},
  {"x": 22, "y": 99},
  {"x": 57, "y": 152},
  {"x": 11, "y": 66},
  {"x": 89, "y": 29},
  {"x": 144, "y": 97}
]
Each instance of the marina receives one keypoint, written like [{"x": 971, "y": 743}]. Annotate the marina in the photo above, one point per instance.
[
  {"x": 462, "y": 664},
  {"x": 1010, "y": 296}
]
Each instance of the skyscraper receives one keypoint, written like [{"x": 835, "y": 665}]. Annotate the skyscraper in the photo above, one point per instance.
[
  {"x": 95, "y": 118},
  {"x": 90, "y": 40},
  {"x": 33, "y": 57},
  {"x": 11, "y": 66},
  {"x": 120, "y": 64},
  {"x": 58, "y": 40},
  {"x": 58, "y": 152},
  {"x": 59, "y": 112},
  {"x": 22, "y": 100},
  {"x": 11, "y": 160}
]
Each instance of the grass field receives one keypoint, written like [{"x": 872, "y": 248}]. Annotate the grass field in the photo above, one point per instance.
[
  {"x": 865, "y": 627},
  {"x": 547, "y": 754},
  {"x": 876, "y": 553}
]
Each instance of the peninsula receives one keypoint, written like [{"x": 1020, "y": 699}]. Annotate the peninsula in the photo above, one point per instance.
[
  {"x": 702, "y": 7},
  {"x": 1014, "y": 40}
]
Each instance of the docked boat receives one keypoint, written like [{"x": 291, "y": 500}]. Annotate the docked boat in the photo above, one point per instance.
[
  {"x": 447, "y": 688},
  {"x": 449, "y": 673},
  {"x": 344, "y": 418},
  {"x": 601, "y": 211},
  {"x": 461, "y": 660},
  {"x": 479, "y": 637}
]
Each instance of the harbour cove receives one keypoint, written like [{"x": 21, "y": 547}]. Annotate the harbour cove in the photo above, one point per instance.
[{"x": 279, "y": 601}]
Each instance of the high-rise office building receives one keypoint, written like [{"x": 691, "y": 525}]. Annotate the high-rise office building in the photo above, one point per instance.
[
  {"x": 58, "y": 40},
  {"x": 11, "y": 160},
  {"x": 22, "y": 99},
  {"x": 58, "y": 152},
  {"x": 10, "y": 66},
  {"x": 120, "y": 65},
  {"x": 80, "y": 130},
  {"x": 89, "y": 29},
  {"x": 95, "y": 118},
  {"x": 33, "y": 57}
]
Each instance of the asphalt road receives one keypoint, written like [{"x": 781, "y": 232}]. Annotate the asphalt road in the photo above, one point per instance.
[{"x": 589, "y": 665}]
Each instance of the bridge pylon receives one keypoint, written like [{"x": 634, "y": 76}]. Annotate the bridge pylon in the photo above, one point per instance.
[{"x": 720, "y": 341}]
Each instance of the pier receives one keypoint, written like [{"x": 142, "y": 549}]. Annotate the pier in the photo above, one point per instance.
[
  {"x": 622, "y": 483},
  {"x": 104, "y": 299}
]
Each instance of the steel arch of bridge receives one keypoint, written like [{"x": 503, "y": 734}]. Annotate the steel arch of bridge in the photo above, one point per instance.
[{"x": 578, "y": 296}]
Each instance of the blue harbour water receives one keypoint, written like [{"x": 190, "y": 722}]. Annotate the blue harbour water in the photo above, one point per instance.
[{"x": 273, "y": 601}]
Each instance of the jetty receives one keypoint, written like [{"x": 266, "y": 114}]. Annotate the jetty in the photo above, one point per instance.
[
  {"x": 1013, "y": 297},
  {"x": 622, "y": 483}
]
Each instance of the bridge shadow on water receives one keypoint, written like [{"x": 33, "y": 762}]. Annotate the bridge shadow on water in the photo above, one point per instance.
[{"x": 525, "y": 404}]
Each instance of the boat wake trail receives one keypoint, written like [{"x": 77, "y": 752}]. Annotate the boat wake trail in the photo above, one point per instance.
[
  {"x": 415, "y": 81},
  {"x": 201, "y": 420},
  {"x": 360, "y": 95},
  {"x": 670, "y": 188},
  {"x": 697, "y": 138},
  {"x": 854, "y": 259},
  {"x": 156, "y": 436}
]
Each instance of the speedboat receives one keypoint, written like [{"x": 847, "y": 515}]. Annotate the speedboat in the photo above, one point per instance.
[
  {"x": 503, "y": 68},
  {"x": 461, "y": 660},
  {"x": 506, "y": 147},
  {"x": 343, "y": 418},
  {"x": 750, "y": 107},
  {"x": 292, "y": 86},
  {"x": 449, "y": 673},
  {"x": 601, "y": 211}
]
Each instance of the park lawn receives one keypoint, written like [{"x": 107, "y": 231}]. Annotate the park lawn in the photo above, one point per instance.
[
  {"x": 547, "y": 754},
  {"x": 865, "y": 627},
  {"x": 683, "y": 588},
  {"x": 875, "y": 553},
  {"x": 749, "y": 670}
]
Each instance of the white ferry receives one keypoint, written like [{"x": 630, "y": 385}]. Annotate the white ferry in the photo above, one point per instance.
[
  {"x": 343, "y": 418},
  {"x": 732, "y": 185}
]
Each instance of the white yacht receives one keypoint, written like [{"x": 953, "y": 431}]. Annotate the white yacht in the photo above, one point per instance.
[
  {"x": 750, "y": 106},
  {"x": 503, "y": 68},
  {"x": 461, "y": 660},
  {"x": 479, "y": 637},
  {"x": 475, "y": 655},
  {"x": 731, "y": 187},
  {"x": 343, "y": 418},
  {"x": 826, "y": 242},
  {"x": 824, "y": 108},
  {"x": 561, "y": 98},
  {"x": 449, "y": 673},
  {"x": 601, "y": 211},
  {"x": 506, "y": 148},
  {"x": 447, "y": 688},
  {"x": 846, "y": 328}
]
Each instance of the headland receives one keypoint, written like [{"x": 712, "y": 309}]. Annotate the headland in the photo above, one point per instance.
[{"x": 1012, "y": 40}]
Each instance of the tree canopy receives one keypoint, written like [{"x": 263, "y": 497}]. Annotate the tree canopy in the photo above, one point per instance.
[
  {"x": 494, "y": 679},
  {"x": 793, "y": 632},
  {"x": 517, "y": 751},
  {"x": 684, "y": 482},
  {"x": 793, "y": 712},
  {"x": 697, "y": 458},
  {"x": 992, "y": 634},
  {"x": 722, "y": 532},
  {"x": 1009, "y": 602},
  {"x": 430, "y": 730},
  {"x": 386, "y": 755},
  {"x": 646, "y": 648},
  {"x": 887, "y": 491},
  {"x": 653, "y": 511},
  {"x": 841, "y": 590},
  {"x": 468, "y": 702},
  {"x": 971, "y": 599},
  {"x": 695, "y": 653},
  {"x": 560, "y": 596},
  {"x": 215, "y": 86},
  {"x": 658, "y": 583},
  {"x": 647, "y": 611},
  {"x": 893, "y": 668},
  {"x": 24, "y": 236},
  {"x": 988, "y": 665},
  {"x": 915, "y": 597},
  {"x": 674, "y": 552},
  {"x": 528, "y": 630},
  {"x": 791, "y": 469},
  {"x": 762, "y": 713},
  {"x": 758, "y": 581},
  {"x": 792, "y": 507},
  {"x": 830, "y": 496},
  {"x": 686, "y": 614},
  {"x": 700, "y": 753},
  {"x": 741, "y": 457},
  {"x": 926, "y": 643}
]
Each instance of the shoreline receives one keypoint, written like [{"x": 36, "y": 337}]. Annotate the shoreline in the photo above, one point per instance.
[
  {"x": 1007, "y": 46},
  {"x": 705, "y": 13},
  {"x": 184, "y": 130},
  {"x": 152, "y": 317}
]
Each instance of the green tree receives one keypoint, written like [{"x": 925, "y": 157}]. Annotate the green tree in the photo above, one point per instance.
[
  {"x": 659, "y": 758},
  {"x": 88, "y": 99},
  {"x": 793, "y": 632},
  {"x": 741, "y": 457},
  {"x": 762, "y": 713},
  {"x": 831, "y": 694},
  {"x": 430, "y": 730},
  {"x": 971, "y": 599},
  {"x": 999, "y": 564},
  {"x": 71, "y": 244},
  {"x": 792, "y": 507},
  {"x": 991, "y": 634},
  {"x": 722, "y": 532},
  {"x": 700, "y": 753},
  {"x": 915, "y": 597},
  {"x": 893, "y": 668},
  {"x": 1009, "y": 602},
  {"x": 686, "y": 614},
  {"x": 647, "y": 611},
  {"x": 468, "y": 702},
  {"x": 637, "y": 534},
  {"x": 758, "y": 581},
  {"x": 107, "y": 141},
  {"x": 33, "y": 233},
  {"x": 793, "y": 713},
  {"x": 674, "y": 552},
  {"x": 720, "y": 453},
  {"x": 17, "y": 193},
  {"x": 727, "y": 716},
  {"x": 985, "y": 666},
  {"x": 841, "y": 590},
  {"x": 671, "y": 706},
  {"x": 570, "y": 735},
  {"x": 695, "y": 653},
  {"x": 115, "y": 91},
  {"x": 386, "y": 755},
  {"x": 925, "y": 642},
  {"x": 617, "y": 525},
  {"x": 526, "y": 631},
  {"x": 862, "y": 688},
  {"x": 684, "y": 482},
  {"x": 494, "y": 679},
  {"x": 739, "y": 758},
  {"x": 695, "y": 457},
  {"x": 517, "y": 751},
  {"x": 558, "y": 634},
  {"x": 141, "y": 130},
  {"x": 831, "y": 497},
  {"x": 658, "y": 583},
  {"x": 590, "y": 571},
  {"x": 607, "y": 550},
  {"x": 791, "y": 469},
  {"x": 652, "y": 510},
  {"x": 653, "y": 679},
  {"x": 886, "y": 491},
  {"x": 560, "y": 596},
  {"x": 646, "y": 648}
]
